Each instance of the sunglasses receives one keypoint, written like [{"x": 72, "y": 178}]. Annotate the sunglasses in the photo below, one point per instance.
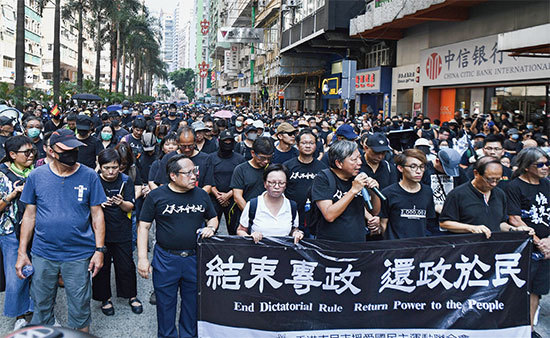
[
  {"x": 541, "y": 165},
  {"x": 28, "y": 152}
]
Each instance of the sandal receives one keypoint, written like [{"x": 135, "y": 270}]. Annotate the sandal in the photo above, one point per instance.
[
  {"x": 110, "y": 311},
  {"x": 137, "y": 309}
]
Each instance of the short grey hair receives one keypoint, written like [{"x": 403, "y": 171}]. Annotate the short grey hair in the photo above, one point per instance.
[{"x": 339, "y": 151}]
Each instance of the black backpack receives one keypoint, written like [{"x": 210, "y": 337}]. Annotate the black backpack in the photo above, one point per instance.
[
  {"x": 254, "y": 206},
  {"x": 313, "y": 218}
]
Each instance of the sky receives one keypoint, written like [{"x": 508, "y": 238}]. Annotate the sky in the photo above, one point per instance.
[{"x": 167, "y": 6}]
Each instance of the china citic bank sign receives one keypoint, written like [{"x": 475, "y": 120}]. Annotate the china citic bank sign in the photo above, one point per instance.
[{"x": 433, "y": 66}]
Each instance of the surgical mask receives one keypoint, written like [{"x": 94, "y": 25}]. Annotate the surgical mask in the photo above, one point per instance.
[
  {"x": 125, "y": 112},
  {"x": 515, "y": 136},
  {"x": 252, "y": 136},
  {"x": 106, "y": 136},
  {"x": 443, "y": 147},
  {"x": 69, "y": 157},
  {"x": 33, "y": 132},
  {"x": 529, "y": 126},
  {"x": 238, "y": 124}
]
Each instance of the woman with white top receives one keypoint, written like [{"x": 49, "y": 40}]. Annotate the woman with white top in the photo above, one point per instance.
[{"x": 274, "y": 212}]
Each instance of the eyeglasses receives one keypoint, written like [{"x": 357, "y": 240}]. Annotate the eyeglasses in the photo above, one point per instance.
[
  {"x": 415, "y": 167},
  {"x": 491, "y": 180},
  {"x": 189, "y": 173},
  {"x": 540, "y": 165},
  {"x": 264, "y": 158},
  {"x": 187, "y": 146},
  {"x": 28, "y": 152},
  {"x": 273, "y": 184},
  {"x": 493, "y": 149}
]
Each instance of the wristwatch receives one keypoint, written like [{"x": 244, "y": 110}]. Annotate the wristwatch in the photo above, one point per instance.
[{"x": 102, "y": 249}]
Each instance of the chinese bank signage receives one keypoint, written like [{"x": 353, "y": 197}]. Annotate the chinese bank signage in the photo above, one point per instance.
[
  {"x": 477, "y": 61},
  {"x": 373, "y": 80}
]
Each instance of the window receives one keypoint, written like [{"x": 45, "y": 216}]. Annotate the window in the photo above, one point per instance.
[
  {"x": 379, "y": 55},
  {"x": 8, "y": 63}
]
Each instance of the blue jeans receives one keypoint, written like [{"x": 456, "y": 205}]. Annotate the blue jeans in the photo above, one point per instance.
[
  {"x": 17, "y": 296},
  {"x": 170, "y": 273}
]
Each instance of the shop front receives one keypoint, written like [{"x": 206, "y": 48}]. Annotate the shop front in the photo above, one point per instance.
[
  {"x": 331, "y": 91},
  {"x": 475, "y": 77},
  {"x": 373, "y": 90},
  {"x": 406, "y": 93}
]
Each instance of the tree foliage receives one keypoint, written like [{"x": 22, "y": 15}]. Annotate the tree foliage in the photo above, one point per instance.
[{"x": 184, "y": 79}]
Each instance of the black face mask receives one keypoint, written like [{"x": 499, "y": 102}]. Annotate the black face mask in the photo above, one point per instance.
[
  {"x": 68, "y": 157},
  {"x": 396, "y": 124},
  {"x": 426, "y": 125},
  {"x": 226, "y": 148},
  {"x": 115, "y": 123},
  {"x": 172, "y": 113},
  {"x": 82, "y": 133}
]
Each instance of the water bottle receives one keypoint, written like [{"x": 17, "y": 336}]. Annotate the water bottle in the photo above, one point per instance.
[
  {"x": 537, "y": 256},
  {"x": 27, "y": 270},
  {"x": 307, "y": 207}
]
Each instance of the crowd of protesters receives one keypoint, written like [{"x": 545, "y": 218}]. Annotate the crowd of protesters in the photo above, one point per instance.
[{"x": 82, "y": 189}]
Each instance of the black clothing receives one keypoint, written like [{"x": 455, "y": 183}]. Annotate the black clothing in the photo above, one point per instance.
[
  {"x": 531, "y": 202},
  {"x": 299, "y": 182},
  {"x": 510, "y": 145},
  {"x": 135, "y": 144},
  {"x": 200, "y": 160},
  {"x": 87, "y": 155},
  {"x": 209, "y": 146},
  {"x": 173, "y": 123},
  {"x": 144, "y": 163},
  {"x": 350, "y": 225},
  {"x": 506, "y": 174},
  {"x": 40, "y": 147},
  {"x": 125, "y": 273},
  {"x": 407, "y": 213},
  {"x": 386, "y": 174},
  {"x": 465, "y": 204},
  {"x": 119, "y": 134},
  {"x": 281, "y": 157},
  {"x": 222, "y": 169},
  {"x": 118, "y": 226},
  {"x": 177, "y": 216},
  {"x": 243, "y": 149},
  {"x": 249, "y": 180},
  {"x": 51, "y": 126}
]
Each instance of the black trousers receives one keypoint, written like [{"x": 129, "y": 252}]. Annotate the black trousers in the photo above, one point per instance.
[
  {"x": 225, "y": 211},
  {"x": 125, "y": 273}
]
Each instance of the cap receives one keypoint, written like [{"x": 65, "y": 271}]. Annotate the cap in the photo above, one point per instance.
[
  {"x": 422, "y": 142},
  {"x": 198, "y": 126},
  {"x": 149, "y": 141},
  {"x": 258, "y": 124},
  {"x": 226, "y": 135},
  {"x": 4, "y": 120},
  {"x": 378, "y": 142},
  {"x": 450, "y": 159},
  {"x": 285, "y": 127},
  {"x": 512, "y": 131},
  {"x": 303, "y": 123},
  {"x": 65, "y": 139},
  {"x": 347, "y": 131},
  {"x": 250, "y": 128},
  {"x": 83, "y": 122},
  {"x": 480, "y": 135}
]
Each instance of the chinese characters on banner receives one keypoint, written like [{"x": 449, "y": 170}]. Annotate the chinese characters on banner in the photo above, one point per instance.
[
  {"x": 477, "y": 61},
  {"x": 408, "y": 288}
]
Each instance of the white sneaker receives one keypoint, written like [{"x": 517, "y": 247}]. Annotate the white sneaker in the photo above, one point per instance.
[
  {"x": 56, "y": 323},
  {"x": 19, "y": 324}
]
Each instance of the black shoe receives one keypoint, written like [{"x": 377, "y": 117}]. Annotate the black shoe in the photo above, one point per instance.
[
  {"x": 535, "y": 334},
  {"x": 153, "y": 298},
  {"x": 107, "y": 311},
  {"x": 137, "y": 309}
]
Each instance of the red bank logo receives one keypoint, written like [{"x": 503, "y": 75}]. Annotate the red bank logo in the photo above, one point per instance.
[{"x": 433, "y": 66}]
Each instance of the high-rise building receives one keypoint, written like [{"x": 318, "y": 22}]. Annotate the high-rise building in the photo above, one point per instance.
[
  {"x": 183, "y": 39},
  {"x": 7, "y": 41},
  {"x": 167, "y": 40}
]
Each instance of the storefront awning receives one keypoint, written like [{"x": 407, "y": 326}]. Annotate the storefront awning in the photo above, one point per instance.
[
  {"x": 529, "y": 42},
  {"x": 235, "y": 91}
]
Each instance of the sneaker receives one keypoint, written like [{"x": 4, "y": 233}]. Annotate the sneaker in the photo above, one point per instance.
[
  {"x": 56, "y": 323},
  {"x": 535, "y": 334},
  {"x": 20, "y": 323},
  {"x": 153, "y": 298}
]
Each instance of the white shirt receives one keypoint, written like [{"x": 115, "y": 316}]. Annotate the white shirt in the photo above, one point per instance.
[{"x": 268, "y": 224}]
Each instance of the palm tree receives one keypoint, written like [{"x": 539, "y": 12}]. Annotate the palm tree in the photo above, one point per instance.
[
  {"x": 20, "y": 53},
  {"x": 56, "y": 73},
  {"x": 69, "y": 10},
  {"x": 100, "y": 8}
]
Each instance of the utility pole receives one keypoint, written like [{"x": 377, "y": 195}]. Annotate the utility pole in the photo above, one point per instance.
[{"x": 252, "y": 57}]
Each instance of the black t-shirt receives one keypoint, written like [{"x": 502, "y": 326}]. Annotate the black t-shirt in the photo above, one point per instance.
[
  {"x": 153, "y": 170},
  {"x": 249, "y": 180},
  {"x": 173, "y": 123},
  {"x": 441, "y": 183},
  {"x": 407, "y": 213},
  {"x": 244, "y": 150},
  {"x": 531, "y": 202},
  {"x": 299, "y": 181},
  {"x": 222, "y": 169},
  {"x": 135, "y": 144},
  {"x": 209, "y": 146},
  {"x": 144, "y": 162},
  {"x": 385, "y": 175},
  {"x": 87, "y": 155},
  {"x": 40, "y": 148},
  {"x": 119, "y": 134},
  {"x": 506, "y": 174},
  {"x": 282, "y": 157},
  {"x": 467, "y": 205},
  {"x": 51, "y": 126},
  {"x": 200, "y": 160},
  {"x": 350, "y": 225},
  {"x": 512, "y": 146},
  {"x": 177, "y": 216},
  {"x": 118, "y": 224}
]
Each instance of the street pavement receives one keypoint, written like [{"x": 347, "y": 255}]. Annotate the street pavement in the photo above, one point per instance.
[{"x": 127, "y": 324}]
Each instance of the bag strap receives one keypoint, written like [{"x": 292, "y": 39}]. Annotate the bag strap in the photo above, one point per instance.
[{"x": 252, "y": 213}]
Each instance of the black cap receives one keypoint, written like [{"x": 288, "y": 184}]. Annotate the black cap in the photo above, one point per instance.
[
  {"x": 4, "y": 120},
  {"x": 378, "y": 142},
  {"x": 226, "y": 135},
  {"x": 83, "y": 122}
]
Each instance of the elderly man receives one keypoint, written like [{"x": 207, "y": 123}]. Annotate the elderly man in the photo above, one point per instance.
[{"x": 69, "y": 234}]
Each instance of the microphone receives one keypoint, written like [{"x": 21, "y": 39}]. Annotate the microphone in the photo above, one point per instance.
[
  {"x": 377, "y": 192},
  {"x": 366, "y": 197}
]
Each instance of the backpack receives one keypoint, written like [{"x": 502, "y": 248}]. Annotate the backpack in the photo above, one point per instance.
[
  {"x": 313, "y": 218},
  {"x": 254, "y": 205}
]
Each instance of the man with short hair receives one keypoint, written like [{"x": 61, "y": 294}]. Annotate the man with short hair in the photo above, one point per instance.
[
  {"x": 202, "y": 143},
  {"x": 33, "y": 129},
  {"x": 247, "y": 178},
  {"x": 87, "y": 155},
  {"x": 244, "y": 147},
  {"x": 187, "y": 147},
  {"x": 376, "y": 147},
  {"x": 134, "y": 139},
  {"x": 180, "y": 212},
  {"x": 512, "y": 145},
  {"x": 69, "y": 234},
  {"x": 492, "y": 146},
  {"x": 301, "y": 172},
  {"x": 284, "y": 151}
]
